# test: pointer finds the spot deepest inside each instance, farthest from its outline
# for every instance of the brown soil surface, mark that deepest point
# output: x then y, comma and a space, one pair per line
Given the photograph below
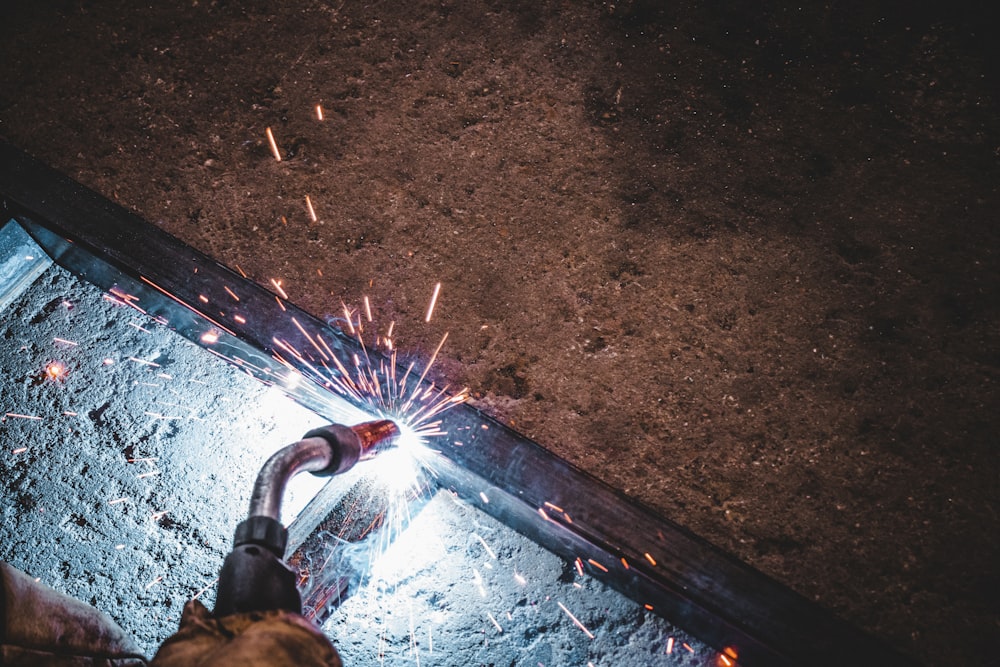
737, 260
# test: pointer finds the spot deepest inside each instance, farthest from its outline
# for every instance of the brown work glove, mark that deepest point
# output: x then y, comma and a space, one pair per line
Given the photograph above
255, 639
40, 627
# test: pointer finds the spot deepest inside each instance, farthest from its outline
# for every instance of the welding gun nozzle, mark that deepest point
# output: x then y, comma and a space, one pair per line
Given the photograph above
376, 436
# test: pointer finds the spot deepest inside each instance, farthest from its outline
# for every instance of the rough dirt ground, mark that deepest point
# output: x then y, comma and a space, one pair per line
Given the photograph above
735, 259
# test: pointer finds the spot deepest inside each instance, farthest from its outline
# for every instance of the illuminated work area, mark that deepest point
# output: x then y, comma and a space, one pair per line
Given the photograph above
138, 451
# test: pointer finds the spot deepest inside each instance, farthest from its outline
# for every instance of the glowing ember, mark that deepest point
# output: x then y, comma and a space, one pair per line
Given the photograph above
434, 298
575, 620
55, 370
277, 286
312, 211
274, 145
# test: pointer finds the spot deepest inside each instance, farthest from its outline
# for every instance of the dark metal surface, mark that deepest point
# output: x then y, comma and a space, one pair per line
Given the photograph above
680, 576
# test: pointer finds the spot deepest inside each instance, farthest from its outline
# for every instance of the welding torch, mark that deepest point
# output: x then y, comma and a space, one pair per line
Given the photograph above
254, 576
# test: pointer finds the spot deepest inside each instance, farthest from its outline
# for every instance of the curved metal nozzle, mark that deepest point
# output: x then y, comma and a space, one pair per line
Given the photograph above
253, 579
329, 450
376, 436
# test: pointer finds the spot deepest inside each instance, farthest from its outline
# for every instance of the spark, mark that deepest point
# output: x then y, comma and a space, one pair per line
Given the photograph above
64, 341
308, 337
670, 646
434, 298
688, 647
312, 211
148, 474
519, 578
427, 368
20, 450
274, 145
240, 319
186, 305
652, 561
154, 582
486, 546
69, 413
485, 498
478, 580
579, 566
139, 327
156, 516
203, 590
319, 112
597, 565
143, 361
231, 293
494, 621
575, 620
203, 298
55, 370
125, 297
325, 346
20, 416
349, 318
368, 309
277, 286
210, 337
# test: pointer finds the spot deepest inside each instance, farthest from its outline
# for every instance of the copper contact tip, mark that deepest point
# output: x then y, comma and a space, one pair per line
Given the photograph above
375, 436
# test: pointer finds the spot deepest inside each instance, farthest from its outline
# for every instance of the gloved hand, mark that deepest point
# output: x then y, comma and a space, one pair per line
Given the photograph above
254, 639
39, 626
